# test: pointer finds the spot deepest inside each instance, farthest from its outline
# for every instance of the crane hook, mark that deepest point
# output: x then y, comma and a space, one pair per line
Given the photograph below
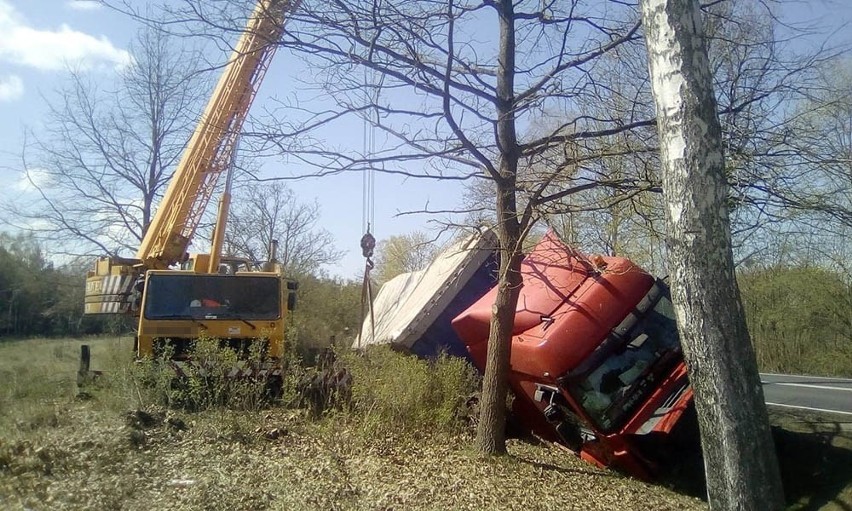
368, 244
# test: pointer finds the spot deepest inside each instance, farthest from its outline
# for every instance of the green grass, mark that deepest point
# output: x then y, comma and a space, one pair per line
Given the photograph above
401, 442
123, 448
38, 377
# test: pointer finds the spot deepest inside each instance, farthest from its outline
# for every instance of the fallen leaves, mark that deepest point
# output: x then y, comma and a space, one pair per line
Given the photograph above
281, 460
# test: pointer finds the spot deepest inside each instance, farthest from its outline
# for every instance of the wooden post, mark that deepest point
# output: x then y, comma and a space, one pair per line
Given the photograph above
83, 371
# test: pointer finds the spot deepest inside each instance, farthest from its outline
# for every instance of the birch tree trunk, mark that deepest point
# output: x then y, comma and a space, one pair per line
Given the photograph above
739, 456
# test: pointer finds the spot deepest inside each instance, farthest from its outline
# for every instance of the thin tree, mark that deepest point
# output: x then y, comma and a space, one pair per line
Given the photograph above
105, 154
741, 467
271, 211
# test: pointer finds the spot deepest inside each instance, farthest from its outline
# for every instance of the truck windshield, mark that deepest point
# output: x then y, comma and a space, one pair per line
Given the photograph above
185, 296
611, 390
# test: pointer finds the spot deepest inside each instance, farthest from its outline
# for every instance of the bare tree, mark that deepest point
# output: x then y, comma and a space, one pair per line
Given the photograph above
824, 141
265, 212
763, 80
105, 154
447, 106
817, 227
741, 467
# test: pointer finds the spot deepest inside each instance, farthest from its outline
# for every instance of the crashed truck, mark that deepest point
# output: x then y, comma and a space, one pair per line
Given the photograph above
596, 364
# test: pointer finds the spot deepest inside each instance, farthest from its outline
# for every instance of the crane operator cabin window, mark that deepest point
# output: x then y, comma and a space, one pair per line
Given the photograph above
172, 296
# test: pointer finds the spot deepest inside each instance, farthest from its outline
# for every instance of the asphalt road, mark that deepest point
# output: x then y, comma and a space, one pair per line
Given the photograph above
808, 393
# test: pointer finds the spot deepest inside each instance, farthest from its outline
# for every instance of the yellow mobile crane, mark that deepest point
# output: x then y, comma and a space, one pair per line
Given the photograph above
227, 300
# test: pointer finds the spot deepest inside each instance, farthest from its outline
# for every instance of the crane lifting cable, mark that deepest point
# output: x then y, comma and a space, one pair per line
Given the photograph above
368, 204
368, 243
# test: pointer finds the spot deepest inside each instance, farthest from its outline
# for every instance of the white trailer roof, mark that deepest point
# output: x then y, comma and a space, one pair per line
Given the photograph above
407, 305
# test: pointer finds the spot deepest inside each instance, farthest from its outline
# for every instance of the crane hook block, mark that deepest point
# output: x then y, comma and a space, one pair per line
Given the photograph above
368, 243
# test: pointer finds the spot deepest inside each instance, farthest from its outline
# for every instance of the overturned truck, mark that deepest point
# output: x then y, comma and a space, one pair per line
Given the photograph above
596, 363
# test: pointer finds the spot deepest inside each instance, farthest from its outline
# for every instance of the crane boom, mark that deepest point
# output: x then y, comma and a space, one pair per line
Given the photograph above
212, 145
113, 286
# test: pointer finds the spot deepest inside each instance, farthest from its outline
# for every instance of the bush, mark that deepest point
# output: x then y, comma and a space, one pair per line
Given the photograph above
799, 320
328, 312
214, 376
394, 392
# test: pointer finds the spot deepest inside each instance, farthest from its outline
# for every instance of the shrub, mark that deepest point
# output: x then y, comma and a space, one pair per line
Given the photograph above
214, 376
396, 392
799, 319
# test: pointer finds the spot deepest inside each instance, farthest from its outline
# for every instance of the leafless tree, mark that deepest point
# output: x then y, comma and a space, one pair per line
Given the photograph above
764, 79
816, 228
449, 104
741, 467
759, 75
271, 211
105, 153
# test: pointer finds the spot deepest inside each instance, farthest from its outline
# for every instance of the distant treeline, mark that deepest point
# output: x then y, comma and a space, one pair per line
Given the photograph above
38, 298
800, 317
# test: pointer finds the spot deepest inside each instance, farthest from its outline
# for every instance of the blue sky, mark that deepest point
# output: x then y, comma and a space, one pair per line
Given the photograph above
40, 38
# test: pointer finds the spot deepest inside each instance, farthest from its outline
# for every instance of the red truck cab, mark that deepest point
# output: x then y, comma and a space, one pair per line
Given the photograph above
596, 363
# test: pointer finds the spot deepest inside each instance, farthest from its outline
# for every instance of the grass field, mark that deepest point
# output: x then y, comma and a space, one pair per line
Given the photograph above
116, 448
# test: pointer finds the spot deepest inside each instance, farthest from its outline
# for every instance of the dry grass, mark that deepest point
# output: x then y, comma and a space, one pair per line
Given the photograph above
278, 461
120, 448
61, 452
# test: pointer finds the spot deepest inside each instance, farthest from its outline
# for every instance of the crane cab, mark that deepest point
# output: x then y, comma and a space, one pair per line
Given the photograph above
179, 306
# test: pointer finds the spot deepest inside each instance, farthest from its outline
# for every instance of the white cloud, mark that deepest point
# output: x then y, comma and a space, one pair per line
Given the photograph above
84, 5
49, 50
33, 178
11, 88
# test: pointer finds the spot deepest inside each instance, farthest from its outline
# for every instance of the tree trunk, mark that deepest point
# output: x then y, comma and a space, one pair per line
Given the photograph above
491, 434
742, 470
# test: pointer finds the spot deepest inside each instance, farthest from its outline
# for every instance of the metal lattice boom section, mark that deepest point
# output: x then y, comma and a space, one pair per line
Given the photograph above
212, 144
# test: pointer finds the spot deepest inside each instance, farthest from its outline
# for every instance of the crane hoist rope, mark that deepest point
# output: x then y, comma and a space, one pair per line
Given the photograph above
368, 198
368, 206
